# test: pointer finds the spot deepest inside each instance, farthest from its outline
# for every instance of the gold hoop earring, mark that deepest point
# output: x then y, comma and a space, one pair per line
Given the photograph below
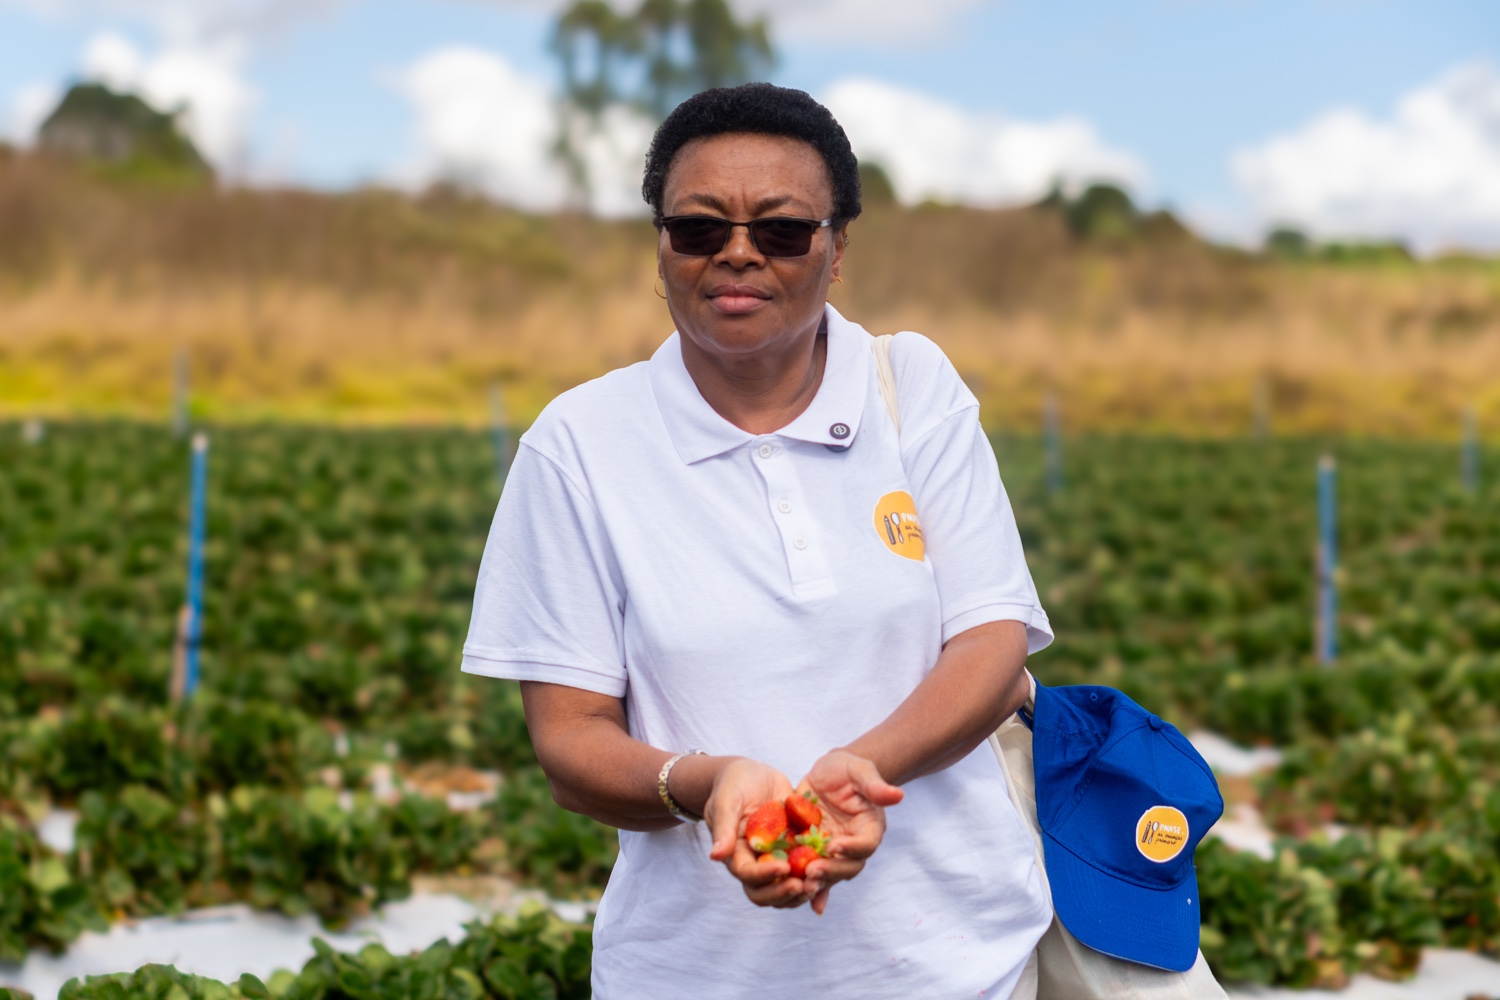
660, 294
838, 279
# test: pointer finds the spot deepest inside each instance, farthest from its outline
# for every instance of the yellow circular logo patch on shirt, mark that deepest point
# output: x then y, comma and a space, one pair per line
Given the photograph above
897, 525
1161, 833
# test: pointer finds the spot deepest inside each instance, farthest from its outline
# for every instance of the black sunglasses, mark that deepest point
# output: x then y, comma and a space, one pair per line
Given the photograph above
706, 235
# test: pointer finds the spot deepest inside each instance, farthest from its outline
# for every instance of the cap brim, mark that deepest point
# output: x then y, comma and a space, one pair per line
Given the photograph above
1153, 927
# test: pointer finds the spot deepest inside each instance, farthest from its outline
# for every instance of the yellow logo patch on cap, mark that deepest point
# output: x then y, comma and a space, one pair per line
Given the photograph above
897, 525
1161, 833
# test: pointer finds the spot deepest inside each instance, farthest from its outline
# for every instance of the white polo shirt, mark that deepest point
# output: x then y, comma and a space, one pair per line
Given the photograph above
775, 596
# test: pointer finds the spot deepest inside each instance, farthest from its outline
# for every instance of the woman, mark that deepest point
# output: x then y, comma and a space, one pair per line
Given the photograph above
730, 548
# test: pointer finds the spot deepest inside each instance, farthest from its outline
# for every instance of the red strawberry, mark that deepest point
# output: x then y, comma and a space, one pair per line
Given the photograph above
766, 828
815, 839
800, 857
802, 812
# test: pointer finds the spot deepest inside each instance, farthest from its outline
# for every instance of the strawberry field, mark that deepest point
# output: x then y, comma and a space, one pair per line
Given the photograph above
315, 770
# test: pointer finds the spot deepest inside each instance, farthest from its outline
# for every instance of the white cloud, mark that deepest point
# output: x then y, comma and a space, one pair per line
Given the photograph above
203, 78
30, 106
481, 122
209, 84
615, 157
799, 21
1429, 173
795, 22
182, 22
932, 149
199, 65
113, 59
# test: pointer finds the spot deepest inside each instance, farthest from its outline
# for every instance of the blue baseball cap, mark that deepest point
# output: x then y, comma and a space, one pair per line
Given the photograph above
1122, 799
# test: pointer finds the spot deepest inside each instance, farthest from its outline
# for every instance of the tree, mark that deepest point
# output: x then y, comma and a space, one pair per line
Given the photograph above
123, 133
875, 187
1103, 211
648, 61
1288, 244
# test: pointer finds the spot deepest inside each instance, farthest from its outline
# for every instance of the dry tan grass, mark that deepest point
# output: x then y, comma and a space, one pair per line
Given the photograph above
372, 307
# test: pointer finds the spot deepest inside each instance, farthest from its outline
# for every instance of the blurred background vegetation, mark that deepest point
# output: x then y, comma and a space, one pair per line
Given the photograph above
120, 253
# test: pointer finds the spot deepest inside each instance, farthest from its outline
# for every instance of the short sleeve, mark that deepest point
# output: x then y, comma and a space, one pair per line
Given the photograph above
967, 523
549, 602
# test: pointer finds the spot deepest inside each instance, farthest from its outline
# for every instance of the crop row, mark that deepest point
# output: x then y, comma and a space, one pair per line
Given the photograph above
139, 852
1323, 909
533, 957
1399, 773
1202, 552
340, 565
1313, 915
212, 743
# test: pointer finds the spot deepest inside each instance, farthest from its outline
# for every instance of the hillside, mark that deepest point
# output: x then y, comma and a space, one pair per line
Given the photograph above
375, 306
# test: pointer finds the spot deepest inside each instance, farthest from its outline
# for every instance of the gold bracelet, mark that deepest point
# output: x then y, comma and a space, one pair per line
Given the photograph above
666, 796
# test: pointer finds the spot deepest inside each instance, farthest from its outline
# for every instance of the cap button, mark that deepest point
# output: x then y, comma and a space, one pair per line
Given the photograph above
1156, 722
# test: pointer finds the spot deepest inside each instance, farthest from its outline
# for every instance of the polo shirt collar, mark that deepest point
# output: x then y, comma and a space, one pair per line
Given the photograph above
832, 419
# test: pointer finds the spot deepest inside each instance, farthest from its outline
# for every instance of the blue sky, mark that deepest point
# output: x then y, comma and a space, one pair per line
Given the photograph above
1224, 109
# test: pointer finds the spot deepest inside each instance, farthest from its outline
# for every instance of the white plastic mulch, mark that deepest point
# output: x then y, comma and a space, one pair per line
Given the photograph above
1232, 760
1443, 975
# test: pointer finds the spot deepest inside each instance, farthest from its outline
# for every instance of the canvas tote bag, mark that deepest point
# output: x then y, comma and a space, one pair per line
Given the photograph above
1061, 967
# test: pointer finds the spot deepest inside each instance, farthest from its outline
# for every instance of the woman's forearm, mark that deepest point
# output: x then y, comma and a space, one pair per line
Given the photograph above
595, 767
977, 683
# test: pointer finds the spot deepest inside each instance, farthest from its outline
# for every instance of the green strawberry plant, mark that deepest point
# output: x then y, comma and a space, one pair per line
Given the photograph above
41, 904
1269, 921
564, 852
142, 852
531, 957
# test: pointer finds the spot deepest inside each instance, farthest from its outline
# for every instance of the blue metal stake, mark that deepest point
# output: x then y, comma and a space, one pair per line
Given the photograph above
196, 532
1327, 630
1052, 429
1469, 455
501, 432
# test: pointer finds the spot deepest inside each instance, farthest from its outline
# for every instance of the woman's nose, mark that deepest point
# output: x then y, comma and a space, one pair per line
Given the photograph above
740, 250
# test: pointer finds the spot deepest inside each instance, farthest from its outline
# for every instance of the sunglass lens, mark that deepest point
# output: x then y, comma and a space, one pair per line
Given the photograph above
783, 237
697, 237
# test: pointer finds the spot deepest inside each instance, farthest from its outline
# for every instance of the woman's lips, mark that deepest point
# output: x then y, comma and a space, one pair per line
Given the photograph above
737, 299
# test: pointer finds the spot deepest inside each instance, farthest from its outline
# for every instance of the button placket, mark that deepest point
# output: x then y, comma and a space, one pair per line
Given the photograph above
806, 565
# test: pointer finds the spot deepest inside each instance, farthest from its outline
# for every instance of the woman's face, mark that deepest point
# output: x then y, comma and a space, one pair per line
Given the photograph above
738, 301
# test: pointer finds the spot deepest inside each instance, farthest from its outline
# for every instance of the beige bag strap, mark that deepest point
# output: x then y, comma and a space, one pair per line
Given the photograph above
886, 376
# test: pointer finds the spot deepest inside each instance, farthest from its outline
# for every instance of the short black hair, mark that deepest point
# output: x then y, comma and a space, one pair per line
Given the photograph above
762, 108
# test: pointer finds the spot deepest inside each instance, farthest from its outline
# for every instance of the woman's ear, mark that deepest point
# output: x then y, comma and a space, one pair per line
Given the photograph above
840, 242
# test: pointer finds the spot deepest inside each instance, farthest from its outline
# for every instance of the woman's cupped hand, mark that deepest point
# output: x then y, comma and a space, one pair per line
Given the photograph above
742, 785
853, 797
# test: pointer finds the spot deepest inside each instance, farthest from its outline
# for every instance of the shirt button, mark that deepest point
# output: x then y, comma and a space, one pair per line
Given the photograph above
765, 451
800, 543
785, 506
